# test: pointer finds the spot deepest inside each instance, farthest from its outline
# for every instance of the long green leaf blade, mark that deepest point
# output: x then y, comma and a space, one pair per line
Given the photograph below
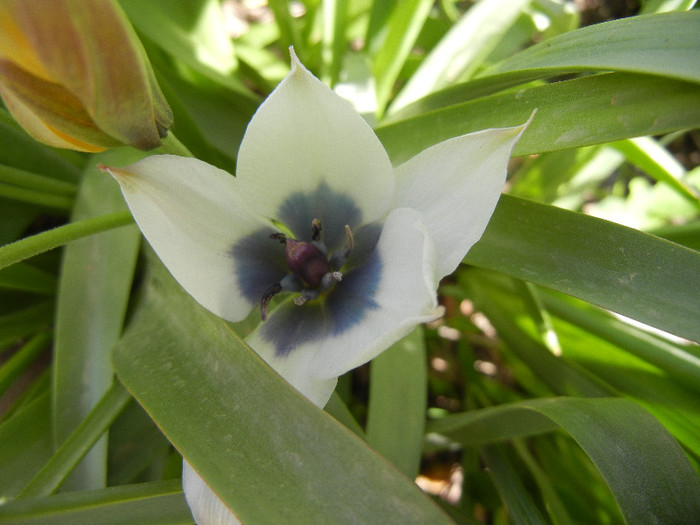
208, 392
94, 290
632, 273
665, 44
398, 398
73, 449
403, 27
462, 49
521, 507
25, 445
617, 106
158, 503
646, 470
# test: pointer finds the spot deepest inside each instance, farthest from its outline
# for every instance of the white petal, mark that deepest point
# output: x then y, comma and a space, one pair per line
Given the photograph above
402, 297
455, 185
206, 507
305, 136
191, 215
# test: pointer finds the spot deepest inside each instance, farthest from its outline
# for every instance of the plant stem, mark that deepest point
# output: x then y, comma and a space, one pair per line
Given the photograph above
172, 146
28, 247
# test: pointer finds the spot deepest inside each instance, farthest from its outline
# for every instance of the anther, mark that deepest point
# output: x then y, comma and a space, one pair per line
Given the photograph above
306, 295
316, 230
330, 279
338, 259
267, 296
281, 237
311, 270
351, 240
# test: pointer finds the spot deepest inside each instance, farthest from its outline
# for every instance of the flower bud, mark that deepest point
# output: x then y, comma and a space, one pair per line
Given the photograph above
74, 74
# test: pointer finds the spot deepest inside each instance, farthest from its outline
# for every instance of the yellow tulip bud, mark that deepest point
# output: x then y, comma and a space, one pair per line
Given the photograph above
74, 74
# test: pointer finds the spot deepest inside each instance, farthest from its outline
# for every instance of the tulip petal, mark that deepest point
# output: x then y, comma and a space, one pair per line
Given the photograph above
455, 185
89, 48
381, 301
39, 130
305, 137
14, 42
191, 214
50, 113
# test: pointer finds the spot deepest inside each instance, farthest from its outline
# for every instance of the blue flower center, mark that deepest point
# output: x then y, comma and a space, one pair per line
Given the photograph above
262, 265
312, 270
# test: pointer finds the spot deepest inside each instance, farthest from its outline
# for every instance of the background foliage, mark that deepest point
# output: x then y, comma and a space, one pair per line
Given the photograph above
540, 398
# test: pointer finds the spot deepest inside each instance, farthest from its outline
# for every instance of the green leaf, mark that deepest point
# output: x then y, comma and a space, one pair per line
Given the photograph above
491, 425
38, 198
659, 6
546, 484
462, 49
24, 321
631, 370
19, 150
74, 448
632, 273
137, 449
681, 364
94, 289
645, 468
404, 25
397, 404
570, 114
562, 377
288, 28
34, 188
36, 181
670, 53
663, 44
22, 359
158, 503
193, 31
208, 392
339, 410
686, 234
379, 15
650, 156
25, 445
191, 107
521, 507
28, 278
15, 218
622, 359
333, 42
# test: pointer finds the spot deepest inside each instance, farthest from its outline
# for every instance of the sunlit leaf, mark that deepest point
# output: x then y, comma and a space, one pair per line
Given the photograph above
645, 461
654, 281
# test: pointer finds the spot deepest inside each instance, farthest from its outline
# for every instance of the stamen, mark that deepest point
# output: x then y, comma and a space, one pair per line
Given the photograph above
267, 296
351, 239
281, 237
330, 279
306, 295
311, 271
338, 259
316, 230
350, 245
